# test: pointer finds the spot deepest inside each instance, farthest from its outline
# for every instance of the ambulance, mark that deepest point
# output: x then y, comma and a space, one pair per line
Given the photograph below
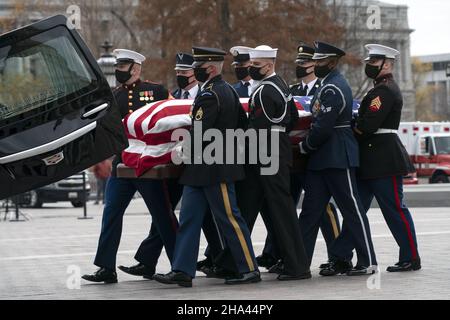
428, 144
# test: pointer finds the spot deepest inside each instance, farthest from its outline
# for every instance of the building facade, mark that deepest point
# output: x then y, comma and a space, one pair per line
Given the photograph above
370, 21
438, 79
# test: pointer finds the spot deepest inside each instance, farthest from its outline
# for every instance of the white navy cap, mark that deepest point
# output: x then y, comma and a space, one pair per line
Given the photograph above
263, 52
381, 52
124, 56
240, 54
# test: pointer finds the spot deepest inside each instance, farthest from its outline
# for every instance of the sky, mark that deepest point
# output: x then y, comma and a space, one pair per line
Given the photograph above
431, 21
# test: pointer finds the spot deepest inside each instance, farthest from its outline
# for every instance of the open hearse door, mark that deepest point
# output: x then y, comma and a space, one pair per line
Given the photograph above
58, 115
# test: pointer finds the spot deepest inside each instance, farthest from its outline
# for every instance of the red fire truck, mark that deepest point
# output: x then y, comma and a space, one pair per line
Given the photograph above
428, 144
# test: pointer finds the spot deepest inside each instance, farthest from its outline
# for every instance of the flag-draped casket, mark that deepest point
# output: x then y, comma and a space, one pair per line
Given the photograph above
149, 130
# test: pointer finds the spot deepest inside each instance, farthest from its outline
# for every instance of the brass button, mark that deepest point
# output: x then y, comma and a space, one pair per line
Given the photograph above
370, 145
130, 97
130, 104
130, 92
130, 111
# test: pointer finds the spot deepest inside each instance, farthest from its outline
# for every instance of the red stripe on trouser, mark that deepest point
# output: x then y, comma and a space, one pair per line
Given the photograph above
405, 221
169, 206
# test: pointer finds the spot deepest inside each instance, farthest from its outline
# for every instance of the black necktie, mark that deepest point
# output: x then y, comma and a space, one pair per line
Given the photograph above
304, 90
186, 95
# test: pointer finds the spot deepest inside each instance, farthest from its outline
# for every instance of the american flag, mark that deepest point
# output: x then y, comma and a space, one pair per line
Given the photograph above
149, 131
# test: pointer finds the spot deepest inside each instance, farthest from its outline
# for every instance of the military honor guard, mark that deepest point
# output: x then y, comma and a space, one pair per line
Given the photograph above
188, 86
272, 109
211, 186
160, 196
331, 170
329, 225
384, 160
304, 72
241, 63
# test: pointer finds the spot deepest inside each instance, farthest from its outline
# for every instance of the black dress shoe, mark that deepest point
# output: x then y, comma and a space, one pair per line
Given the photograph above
266, 260
325, 265
405, 266
289, 277
221, 273
336, 267
249, 277
362, 271
180, 278
204, 263
102, 275
139, 270
277, 268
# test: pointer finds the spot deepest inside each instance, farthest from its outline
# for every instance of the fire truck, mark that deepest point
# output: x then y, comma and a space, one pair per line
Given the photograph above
428, 144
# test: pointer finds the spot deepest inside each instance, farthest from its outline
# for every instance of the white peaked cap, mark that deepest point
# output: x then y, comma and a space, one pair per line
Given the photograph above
380, 51
240, 50
124, 55
263, 52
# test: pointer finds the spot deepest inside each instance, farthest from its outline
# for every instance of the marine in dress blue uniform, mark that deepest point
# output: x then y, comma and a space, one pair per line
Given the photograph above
212, 185
160, 196
384, 160
331, 170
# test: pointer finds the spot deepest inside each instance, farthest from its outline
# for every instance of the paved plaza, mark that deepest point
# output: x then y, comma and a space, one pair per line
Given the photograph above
43, 258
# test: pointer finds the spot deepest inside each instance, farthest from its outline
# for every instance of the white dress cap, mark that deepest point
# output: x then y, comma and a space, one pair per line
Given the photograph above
124, 55
380, 51
263, 52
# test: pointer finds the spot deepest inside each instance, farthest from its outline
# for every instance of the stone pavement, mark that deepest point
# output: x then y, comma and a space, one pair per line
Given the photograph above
44, 257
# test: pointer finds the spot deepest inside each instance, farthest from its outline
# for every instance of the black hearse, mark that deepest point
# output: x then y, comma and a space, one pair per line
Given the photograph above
58, 115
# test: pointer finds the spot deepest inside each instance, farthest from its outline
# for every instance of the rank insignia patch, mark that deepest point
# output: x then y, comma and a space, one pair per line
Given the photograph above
375, 105
199, 114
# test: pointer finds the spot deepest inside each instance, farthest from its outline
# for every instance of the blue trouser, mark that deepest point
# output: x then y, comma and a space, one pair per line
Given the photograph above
389, 194
221, 199
329, 224
160, 196
150, 249
341, 185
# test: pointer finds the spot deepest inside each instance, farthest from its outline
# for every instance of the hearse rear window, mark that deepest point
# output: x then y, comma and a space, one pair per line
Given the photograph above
40, 70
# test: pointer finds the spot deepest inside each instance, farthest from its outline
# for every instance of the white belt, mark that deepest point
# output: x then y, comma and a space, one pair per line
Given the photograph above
384, 131
278, 128
343, 126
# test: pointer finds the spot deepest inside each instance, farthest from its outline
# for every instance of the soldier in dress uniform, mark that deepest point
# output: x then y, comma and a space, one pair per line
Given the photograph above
160, 196
329, 226
304, 72
188, 86
241, 62
211, 185
272, 109
331, 170
384, 160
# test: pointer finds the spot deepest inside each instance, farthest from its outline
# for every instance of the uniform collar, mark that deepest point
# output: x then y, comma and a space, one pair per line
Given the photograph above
133, 85
249, 81
384, 78
216, 78
192, 92
310, 84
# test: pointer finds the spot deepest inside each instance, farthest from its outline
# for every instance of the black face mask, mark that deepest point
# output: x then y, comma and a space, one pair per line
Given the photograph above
183, 81
255, 73
241, 73
322, 71
123, 76
201, 75
373, 71
301, 72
